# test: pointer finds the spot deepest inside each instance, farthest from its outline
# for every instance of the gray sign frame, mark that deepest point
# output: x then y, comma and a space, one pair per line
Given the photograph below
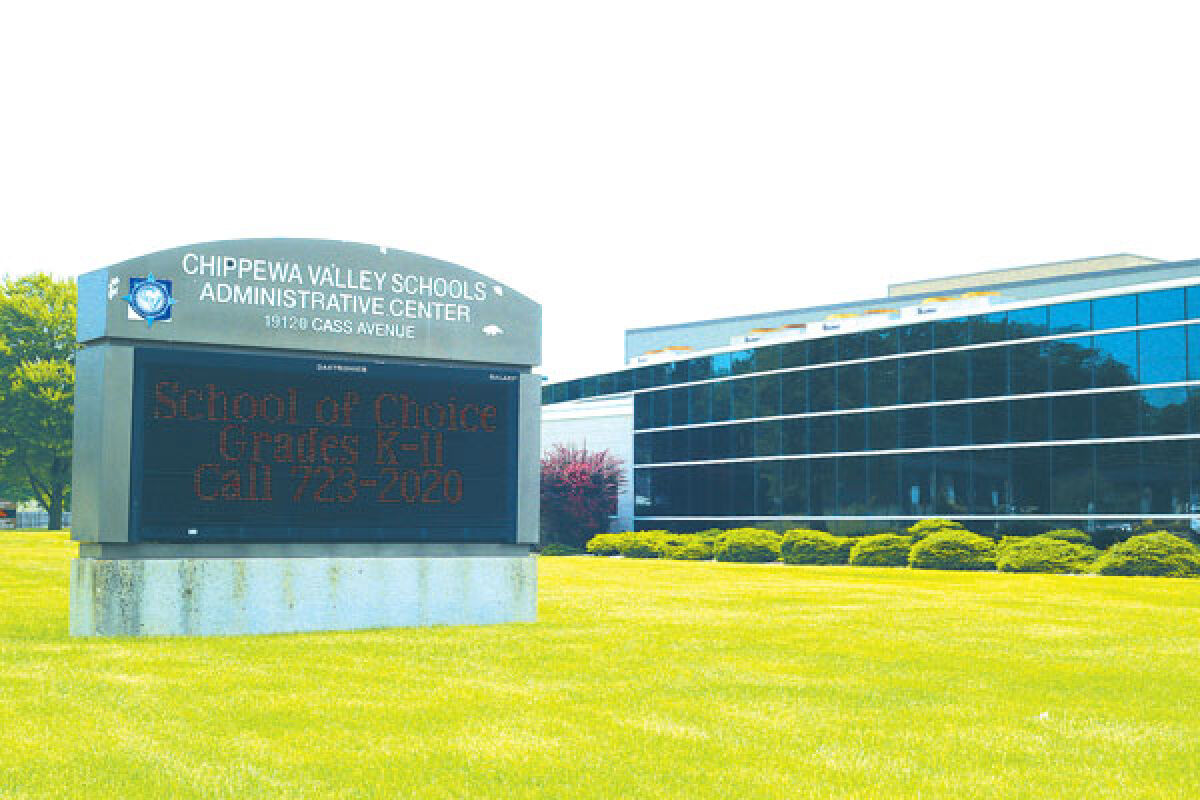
279, 296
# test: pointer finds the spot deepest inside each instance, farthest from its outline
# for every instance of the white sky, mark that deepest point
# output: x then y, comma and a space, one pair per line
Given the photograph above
623, 163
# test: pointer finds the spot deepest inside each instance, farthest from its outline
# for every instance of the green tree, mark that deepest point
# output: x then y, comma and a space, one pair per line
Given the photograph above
37, 386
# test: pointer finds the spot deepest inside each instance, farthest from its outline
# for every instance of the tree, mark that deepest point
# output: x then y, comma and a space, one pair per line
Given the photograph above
37, 386
579, 493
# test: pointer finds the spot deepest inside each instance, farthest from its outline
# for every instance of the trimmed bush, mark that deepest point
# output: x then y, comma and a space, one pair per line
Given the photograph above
556, 549
643, 544
927, 527
1045, 554
881, 550
748, 545
695, 549
953, 549
1069, 535
802, 546
1162, 554
607, 544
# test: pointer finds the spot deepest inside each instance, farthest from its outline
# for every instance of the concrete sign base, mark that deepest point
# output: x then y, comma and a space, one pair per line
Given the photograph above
212, 596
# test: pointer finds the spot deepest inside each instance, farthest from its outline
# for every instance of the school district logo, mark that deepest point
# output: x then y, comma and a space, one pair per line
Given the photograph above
150, 299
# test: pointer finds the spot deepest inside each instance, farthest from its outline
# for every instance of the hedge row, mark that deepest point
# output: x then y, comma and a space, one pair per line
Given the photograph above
929, 544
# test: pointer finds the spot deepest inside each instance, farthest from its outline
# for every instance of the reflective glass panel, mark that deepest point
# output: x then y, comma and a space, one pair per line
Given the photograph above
950, 332
700, 402
822, 434
916, 427
795, 436
722, 392
1031, 480
1071, 417
882, 383
722, 365
1165, 305
884, 342
1162, 354
1071, 364
822, 351
742, 362
953, 483
916, 379
991, 482
852, 432
883, 481
916, 338
852, 485
951, 373
989, 422
1164, 412
883, 430
1073, 477
1027, 322
768, 485
1118, 468
1029, 420
742, 401
1114, 312
795, 354
767, 437
795, 392
989, 371
988, 328
794, 478
1117, 414
1029, 368
851, 346
822, 486
1071, 317
822, 389
852, 386
952, 425
766, 390
1165, 478
1115, 359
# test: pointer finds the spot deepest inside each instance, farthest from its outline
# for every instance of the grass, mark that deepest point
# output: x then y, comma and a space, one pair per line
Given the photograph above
642, 679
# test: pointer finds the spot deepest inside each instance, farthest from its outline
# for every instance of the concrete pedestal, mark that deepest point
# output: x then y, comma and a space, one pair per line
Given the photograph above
205, 596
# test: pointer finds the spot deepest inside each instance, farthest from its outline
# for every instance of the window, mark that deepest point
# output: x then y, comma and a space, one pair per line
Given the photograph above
742, 362
988, 328
883, 430
916, 428
952, 425
916, 338
989, 372
742, 399
1027, 322
766, 391
881, 383
1029, 371
822, 389
1073, 479
852, 386
1162, 354
1071, 364
989, 422
1164, 412
1115, 359
1071, 417
1165, 305
794, 392
1070, 317
949, 332
951, 372
700, 402
852, 432
722, 396
822, 434
916, 379
1114, 312
794, 354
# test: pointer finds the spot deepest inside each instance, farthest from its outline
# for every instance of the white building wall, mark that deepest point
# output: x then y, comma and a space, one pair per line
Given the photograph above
604, 423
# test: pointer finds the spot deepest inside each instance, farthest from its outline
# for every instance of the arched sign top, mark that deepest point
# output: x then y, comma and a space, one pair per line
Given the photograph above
313, 295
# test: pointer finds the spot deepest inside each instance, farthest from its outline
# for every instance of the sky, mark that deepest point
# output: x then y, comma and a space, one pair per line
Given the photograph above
625, 164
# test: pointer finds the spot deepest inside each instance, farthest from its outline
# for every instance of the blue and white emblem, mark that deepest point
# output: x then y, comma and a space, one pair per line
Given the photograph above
150, 299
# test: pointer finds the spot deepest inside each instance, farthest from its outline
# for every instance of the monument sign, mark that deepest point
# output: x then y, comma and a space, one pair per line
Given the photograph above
280, 435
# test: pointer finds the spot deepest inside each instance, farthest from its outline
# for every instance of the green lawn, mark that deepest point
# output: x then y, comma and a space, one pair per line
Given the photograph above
642, 679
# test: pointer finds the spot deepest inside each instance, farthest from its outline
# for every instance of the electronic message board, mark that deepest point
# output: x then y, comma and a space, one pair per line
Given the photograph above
245, 448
